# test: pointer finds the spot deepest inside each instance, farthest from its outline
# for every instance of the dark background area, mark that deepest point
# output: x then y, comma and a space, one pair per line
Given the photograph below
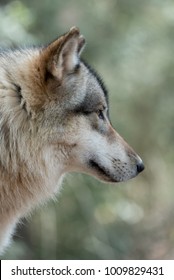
131, 44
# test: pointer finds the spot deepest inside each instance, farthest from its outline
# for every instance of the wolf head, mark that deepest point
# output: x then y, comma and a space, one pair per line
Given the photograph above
65, 105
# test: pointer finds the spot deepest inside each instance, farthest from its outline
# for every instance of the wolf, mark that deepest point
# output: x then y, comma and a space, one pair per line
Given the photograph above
54, 119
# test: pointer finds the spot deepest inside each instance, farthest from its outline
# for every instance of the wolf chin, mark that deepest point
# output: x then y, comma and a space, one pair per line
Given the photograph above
54, 119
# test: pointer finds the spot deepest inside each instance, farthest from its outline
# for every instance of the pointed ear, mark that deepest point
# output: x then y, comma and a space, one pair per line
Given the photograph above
63, 55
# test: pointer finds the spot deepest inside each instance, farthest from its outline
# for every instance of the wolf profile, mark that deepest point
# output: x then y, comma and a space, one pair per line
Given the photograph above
54, 119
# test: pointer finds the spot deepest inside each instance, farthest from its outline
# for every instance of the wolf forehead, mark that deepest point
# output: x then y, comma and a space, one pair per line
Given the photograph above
96, 93
98, 78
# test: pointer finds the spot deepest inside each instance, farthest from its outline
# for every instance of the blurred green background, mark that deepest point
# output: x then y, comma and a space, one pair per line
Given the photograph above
131, 44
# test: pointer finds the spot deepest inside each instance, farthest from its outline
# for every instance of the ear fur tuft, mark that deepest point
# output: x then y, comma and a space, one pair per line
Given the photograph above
74, 30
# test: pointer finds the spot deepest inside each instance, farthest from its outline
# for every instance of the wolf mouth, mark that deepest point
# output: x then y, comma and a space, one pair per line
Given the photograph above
102, 171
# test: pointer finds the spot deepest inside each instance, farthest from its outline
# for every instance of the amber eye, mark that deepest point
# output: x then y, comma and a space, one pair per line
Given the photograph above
100, 114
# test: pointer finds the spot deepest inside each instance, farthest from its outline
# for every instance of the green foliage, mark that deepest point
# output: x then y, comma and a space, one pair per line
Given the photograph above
131, 43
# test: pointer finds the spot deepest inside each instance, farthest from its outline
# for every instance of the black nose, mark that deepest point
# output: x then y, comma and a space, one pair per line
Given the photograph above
140, 167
